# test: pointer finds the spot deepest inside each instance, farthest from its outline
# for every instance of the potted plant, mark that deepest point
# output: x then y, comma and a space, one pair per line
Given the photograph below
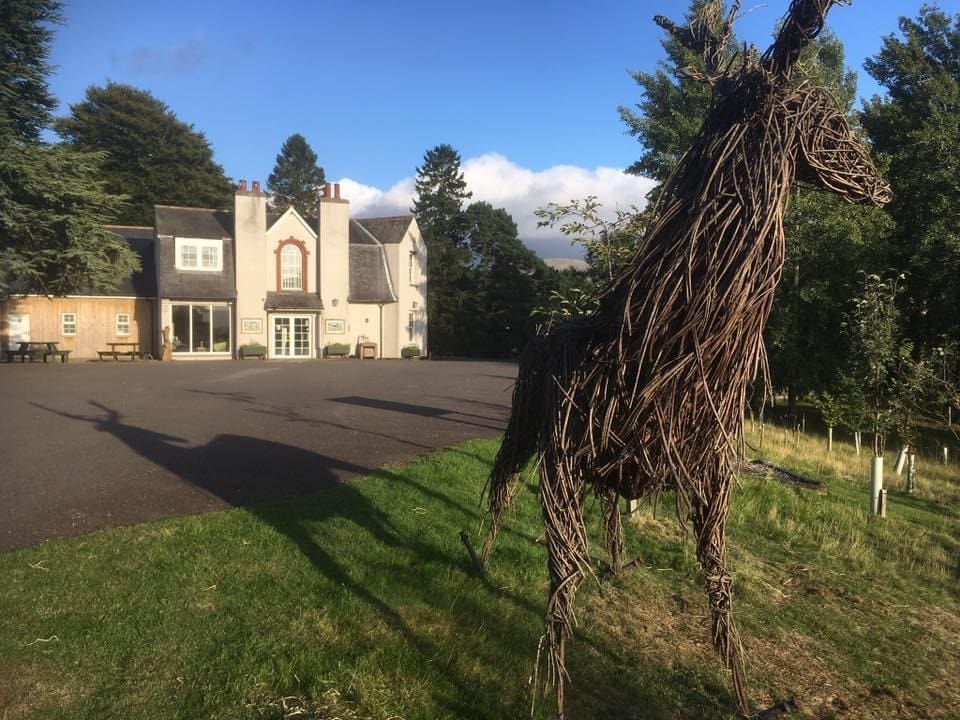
253, 349
337, 350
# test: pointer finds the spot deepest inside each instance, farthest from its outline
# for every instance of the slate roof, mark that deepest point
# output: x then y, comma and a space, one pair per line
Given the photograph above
203, 223
388, 230
193, 222
143, 283
292, 301
369, 282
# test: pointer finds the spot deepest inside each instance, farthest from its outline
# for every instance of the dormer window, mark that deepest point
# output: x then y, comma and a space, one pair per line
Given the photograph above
292, 265
195, 254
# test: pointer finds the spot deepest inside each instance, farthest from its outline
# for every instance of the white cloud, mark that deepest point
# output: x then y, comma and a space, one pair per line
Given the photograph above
503, 183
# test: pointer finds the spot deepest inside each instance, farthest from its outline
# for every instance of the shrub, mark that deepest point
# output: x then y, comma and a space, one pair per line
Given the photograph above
253, 349
337, 349
410, 351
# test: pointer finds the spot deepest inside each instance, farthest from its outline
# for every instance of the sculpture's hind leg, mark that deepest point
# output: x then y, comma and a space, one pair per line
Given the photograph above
562, 494
709, 524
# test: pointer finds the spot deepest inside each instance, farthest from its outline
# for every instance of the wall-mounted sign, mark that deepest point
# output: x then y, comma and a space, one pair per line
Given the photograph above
252, 326
334, 327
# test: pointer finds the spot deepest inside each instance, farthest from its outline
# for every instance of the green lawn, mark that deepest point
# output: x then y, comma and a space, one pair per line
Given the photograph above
361, 602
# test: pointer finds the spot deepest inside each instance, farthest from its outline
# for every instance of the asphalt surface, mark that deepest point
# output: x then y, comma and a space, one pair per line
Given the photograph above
91, 445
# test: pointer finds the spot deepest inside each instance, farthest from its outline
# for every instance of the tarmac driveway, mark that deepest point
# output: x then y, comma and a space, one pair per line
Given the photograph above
91, 445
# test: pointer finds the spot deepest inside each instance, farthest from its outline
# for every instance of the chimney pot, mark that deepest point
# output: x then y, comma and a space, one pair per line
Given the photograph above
256, 186
242, 186
336, 191
323, 190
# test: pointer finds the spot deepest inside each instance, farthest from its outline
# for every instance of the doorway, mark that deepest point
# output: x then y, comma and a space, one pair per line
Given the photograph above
291, 336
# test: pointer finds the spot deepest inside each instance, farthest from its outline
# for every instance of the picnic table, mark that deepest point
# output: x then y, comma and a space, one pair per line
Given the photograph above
126, 349
37, 349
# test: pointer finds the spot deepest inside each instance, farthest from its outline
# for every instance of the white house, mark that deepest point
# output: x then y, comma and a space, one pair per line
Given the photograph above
221, 279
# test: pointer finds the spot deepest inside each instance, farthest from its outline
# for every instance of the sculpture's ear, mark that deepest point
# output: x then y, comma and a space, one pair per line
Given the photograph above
803, 22
707, 35
832, 155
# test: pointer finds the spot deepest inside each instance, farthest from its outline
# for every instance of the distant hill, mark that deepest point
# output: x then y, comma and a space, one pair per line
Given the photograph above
566, 263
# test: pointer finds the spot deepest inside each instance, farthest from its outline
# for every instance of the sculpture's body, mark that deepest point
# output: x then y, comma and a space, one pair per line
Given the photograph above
647, 394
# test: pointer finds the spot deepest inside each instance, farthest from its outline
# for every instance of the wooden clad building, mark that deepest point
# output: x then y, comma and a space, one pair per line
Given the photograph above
84, 323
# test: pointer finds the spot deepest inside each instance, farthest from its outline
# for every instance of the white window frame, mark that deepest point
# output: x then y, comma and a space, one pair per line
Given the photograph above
292, 318
64, 324
198, 245
411, 274
121, 332
209, 353
291, 273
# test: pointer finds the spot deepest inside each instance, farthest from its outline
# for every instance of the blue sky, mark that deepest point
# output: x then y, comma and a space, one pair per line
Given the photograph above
526, 91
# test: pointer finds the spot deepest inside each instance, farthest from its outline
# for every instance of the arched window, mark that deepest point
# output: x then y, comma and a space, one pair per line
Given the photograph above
291, 267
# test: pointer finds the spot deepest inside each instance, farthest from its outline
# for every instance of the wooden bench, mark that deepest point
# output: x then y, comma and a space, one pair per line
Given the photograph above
64, 355
22, 354
117, 354
34, 350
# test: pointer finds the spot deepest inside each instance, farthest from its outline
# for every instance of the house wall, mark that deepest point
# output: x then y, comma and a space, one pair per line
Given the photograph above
96, 322
364, 322
333, 259
254, 275
290, 226
411, 296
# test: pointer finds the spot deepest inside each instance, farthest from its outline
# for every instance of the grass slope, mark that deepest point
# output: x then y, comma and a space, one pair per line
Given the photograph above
361, 602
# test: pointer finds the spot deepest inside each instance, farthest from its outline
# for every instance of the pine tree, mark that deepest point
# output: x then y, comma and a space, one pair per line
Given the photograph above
52, 202
508, 279
916, 130
441, 192
296, 178
25, 36
151, 156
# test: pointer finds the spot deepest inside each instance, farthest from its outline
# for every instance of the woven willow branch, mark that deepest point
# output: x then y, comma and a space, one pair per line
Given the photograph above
647, 394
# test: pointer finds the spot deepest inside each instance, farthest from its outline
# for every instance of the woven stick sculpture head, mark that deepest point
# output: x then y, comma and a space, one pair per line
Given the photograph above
647, 394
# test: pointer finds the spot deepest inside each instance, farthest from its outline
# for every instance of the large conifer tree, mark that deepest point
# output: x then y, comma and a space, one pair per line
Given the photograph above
916, 128
508, 278
52, 202
440, 193
151, 156
296, 178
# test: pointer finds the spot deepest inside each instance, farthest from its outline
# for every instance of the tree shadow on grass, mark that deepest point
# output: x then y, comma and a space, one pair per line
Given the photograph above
485, 680
246, 471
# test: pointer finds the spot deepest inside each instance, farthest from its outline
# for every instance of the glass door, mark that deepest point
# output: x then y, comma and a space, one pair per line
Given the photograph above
281, 337
301, 337
292, 336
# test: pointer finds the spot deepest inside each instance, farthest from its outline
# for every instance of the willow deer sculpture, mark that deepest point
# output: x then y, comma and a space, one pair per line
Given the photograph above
647, 393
